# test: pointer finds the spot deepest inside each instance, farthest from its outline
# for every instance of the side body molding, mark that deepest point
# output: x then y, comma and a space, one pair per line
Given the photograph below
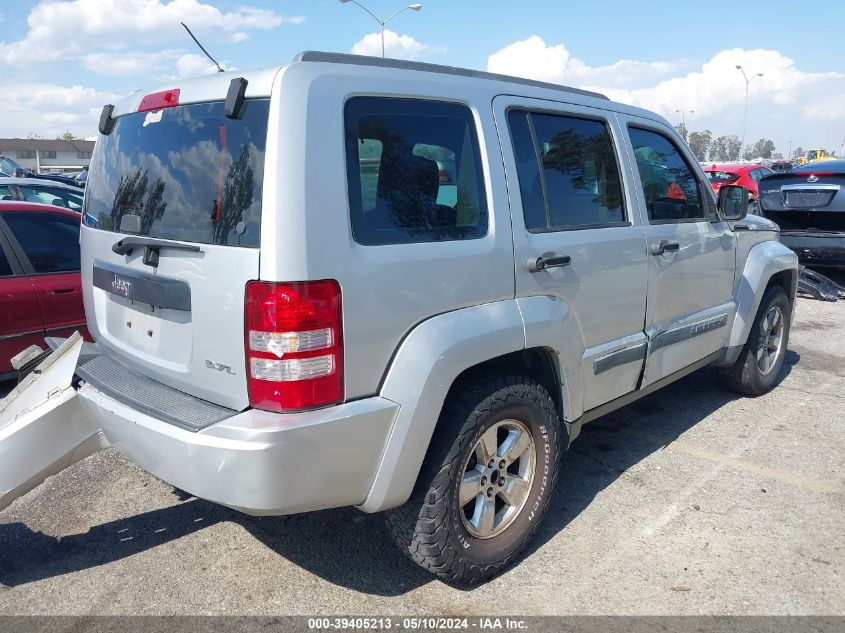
423, 370
764, 260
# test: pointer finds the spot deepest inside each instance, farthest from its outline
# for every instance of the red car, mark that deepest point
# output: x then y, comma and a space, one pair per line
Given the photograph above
744, 174
40, 286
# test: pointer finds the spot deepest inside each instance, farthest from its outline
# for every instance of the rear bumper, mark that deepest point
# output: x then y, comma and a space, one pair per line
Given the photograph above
816, 249
257, 462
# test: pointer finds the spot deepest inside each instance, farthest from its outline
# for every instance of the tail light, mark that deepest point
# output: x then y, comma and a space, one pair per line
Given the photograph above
294, 345
159, 100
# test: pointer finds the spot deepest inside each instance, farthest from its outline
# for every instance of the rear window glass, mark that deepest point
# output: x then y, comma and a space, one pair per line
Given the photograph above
827, 166
414, 172
721, 177
189, 172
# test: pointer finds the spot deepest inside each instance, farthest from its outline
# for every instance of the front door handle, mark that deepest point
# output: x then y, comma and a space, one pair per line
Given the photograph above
664, 246
549, 260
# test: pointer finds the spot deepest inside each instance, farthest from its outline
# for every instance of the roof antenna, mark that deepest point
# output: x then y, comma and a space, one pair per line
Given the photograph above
202, 48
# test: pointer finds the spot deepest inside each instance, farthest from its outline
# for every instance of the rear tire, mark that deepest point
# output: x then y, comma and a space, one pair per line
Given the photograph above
755, 371
486, 482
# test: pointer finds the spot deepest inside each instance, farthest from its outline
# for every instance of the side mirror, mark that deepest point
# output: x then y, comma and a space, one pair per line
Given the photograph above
733, 202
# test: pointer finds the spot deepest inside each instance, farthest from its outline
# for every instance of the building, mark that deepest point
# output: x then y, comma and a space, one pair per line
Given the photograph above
43, 155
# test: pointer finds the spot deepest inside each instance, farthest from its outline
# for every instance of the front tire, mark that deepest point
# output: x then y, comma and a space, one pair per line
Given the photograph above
486, 482
761, 358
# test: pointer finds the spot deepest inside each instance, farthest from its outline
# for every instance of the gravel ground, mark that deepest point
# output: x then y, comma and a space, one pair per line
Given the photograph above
691, 501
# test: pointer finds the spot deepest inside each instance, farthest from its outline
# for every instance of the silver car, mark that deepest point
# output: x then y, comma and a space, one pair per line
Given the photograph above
397, 286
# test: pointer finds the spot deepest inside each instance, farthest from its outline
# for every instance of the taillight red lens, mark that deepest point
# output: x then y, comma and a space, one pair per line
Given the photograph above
294, 344
158, 100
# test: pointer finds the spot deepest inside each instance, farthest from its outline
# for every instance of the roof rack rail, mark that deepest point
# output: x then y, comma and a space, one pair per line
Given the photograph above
381, 62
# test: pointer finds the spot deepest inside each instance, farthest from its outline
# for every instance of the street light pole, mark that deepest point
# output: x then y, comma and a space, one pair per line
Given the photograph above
383, 23
683, 118
745, 118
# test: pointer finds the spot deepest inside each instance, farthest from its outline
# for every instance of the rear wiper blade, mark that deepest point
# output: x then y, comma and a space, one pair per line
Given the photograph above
129, 243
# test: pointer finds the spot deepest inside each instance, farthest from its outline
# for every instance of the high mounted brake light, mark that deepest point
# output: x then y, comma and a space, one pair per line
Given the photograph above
294, 345
159, 100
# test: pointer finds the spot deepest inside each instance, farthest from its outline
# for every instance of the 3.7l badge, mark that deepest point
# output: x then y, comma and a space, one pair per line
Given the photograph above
210, 364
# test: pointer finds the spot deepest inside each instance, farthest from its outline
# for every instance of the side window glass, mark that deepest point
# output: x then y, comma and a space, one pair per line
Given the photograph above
579, 184
64, 198
5, 266
31, 194
6, 193
49, 241
671, 190
528, 170
413, 171
369, 160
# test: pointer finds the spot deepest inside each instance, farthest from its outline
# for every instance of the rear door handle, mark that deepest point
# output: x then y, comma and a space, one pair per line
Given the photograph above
550, 260
60, 290
664, 246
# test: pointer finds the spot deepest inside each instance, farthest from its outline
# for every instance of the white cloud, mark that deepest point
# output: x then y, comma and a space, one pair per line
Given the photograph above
129, 62
784, 103
193, 65
395, 45
69, 29
719, 86
830, 108
533, 59
49, 109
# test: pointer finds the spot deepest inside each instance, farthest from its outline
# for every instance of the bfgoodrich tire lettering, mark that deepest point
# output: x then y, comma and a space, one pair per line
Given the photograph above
434, 527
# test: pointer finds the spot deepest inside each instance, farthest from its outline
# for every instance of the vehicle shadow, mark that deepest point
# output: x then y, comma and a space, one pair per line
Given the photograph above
354, 550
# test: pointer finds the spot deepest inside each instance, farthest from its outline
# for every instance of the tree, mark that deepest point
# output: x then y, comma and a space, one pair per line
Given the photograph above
725, 148
699, 143
763, 148
136, 197
799, 151
67, 136
682, 130
236, 197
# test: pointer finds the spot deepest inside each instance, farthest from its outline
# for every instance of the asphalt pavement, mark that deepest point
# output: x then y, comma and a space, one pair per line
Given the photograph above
691, 501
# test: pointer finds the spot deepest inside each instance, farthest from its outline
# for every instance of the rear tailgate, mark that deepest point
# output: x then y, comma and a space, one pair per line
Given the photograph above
805, 201
171, 234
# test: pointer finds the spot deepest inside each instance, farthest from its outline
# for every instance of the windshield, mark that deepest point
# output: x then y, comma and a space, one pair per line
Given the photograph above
9, 167
813, 154
190, 174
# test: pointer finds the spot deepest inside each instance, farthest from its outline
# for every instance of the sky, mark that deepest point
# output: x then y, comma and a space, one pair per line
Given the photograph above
61, 60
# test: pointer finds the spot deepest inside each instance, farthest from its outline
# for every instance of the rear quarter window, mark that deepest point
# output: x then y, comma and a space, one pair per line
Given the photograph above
413, 171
